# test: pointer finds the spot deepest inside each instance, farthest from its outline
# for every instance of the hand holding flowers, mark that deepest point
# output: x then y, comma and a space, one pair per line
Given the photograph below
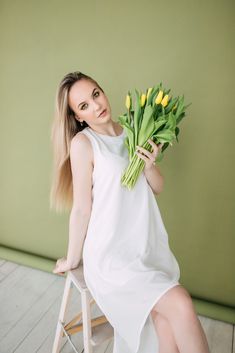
149, 157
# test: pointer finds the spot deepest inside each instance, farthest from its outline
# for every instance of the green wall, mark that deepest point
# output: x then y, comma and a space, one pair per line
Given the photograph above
189, 46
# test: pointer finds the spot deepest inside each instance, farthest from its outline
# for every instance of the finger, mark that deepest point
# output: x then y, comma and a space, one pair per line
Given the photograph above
146, 153
60, 273
146, 159
152, 143
55, 270
140, 155
155, 148
151, 155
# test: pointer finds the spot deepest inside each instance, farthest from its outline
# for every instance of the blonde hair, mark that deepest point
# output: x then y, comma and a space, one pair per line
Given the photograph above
64, 127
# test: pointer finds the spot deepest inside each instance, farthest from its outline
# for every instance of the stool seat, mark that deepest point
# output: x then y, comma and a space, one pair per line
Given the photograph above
95, 331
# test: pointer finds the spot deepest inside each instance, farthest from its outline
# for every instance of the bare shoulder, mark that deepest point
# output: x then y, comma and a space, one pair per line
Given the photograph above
80, 143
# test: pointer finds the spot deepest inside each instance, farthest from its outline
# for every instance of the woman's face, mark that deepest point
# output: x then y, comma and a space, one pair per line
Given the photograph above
87, 101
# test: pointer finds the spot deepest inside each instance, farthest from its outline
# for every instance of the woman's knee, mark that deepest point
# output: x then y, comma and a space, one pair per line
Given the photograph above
159, 320
184, 303
176, 301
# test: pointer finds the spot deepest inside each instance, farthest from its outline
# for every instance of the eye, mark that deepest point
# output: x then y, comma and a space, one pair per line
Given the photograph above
83, 106
94, 95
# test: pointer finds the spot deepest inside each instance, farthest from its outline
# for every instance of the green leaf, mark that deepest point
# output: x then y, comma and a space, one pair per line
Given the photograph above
137, 114
165, 136
171, 122
166, 144
186, 106
123, 118
158, 124
147, 126
177, 130
180, 117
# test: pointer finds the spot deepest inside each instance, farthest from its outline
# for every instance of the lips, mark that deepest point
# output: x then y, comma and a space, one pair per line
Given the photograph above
102, 113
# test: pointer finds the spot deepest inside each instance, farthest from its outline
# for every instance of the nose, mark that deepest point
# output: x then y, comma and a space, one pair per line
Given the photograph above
97, 106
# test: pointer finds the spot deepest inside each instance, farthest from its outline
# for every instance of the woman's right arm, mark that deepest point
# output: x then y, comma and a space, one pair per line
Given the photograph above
82, 167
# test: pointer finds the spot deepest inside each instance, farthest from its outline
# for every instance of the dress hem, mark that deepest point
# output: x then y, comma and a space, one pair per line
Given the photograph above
149, 313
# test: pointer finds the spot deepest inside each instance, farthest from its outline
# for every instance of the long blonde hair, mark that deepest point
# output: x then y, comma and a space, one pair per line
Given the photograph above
64, 127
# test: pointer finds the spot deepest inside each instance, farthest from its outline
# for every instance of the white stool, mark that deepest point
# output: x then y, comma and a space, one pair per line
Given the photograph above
95, 331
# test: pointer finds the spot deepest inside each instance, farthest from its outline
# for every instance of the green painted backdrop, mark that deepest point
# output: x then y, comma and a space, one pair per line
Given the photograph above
189, 46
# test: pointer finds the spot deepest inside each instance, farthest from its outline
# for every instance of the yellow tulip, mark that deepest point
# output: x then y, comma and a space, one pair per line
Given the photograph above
165, 100
148, 93
128, 101
142, 99
159, 97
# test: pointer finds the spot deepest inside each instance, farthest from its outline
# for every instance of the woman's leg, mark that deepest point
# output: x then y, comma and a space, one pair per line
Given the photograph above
177, 307
165, 335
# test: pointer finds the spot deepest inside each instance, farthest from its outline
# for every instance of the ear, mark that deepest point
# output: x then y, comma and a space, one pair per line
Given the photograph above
78, 119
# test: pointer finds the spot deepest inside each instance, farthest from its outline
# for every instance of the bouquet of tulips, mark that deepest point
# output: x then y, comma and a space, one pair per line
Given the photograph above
154, 116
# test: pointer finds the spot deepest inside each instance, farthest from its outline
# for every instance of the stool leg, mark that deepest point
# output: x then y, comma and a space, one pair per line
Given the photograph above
59, 329
86, 319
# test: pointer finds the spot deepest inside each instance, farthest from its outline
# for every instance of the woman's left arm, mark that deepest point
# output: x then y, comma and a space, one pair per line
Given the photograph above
155, 179
152, 171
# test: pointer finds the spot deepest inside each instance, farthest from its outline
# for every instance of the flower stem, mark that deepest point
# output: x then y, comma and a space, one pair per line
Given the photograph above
134, 169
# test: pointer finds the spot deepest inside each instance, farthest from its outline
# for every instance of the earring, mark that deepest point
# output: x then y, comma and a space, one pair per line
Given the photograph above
81, 123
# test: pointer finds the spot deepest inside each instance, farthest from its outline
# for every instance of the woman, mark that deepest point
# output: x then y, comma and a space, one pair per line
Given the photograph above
128, 265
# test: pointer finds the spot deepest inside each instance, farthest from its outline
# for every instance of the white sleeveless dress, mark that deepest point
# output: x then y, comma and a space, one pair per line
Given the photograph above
127, 262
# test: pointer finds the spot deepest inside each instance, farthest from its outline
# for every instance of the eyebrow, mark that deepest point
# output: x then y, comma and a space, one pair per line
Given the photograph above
91, 95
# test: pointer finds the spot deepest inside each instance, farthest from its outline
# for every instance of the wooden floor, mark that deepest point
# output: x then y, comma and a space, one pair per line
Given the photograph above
29, 307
